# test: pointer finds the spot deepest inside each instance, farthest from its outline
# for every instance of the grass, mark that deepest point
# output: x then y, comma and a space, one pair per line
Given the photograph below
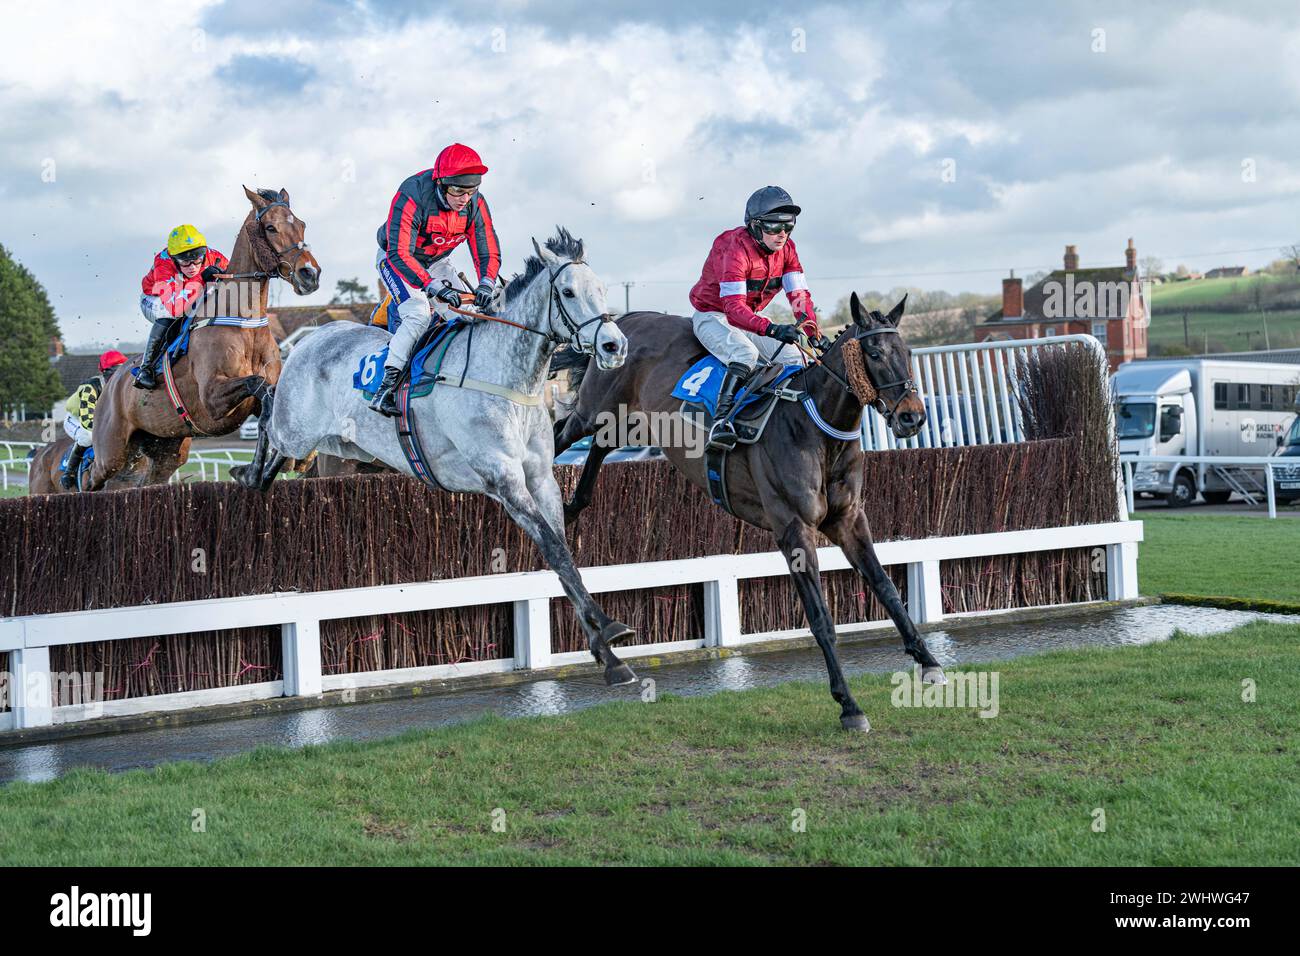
1220, 555
1157, 737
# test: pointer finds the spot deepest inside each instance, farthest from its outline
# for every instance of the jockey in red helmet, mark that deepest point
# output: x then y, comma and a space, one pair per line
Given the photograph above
746, 267
433, 212
81, 413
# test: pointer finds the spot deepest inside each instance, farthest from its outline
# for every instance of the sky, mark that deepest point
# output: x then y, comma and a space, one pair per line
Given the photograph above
936, 144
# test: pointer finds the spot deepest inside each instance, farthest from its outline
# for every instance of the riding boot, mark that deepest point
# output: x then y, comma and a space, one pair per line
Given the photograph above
723, 432
385, 400
69, 476
152, 349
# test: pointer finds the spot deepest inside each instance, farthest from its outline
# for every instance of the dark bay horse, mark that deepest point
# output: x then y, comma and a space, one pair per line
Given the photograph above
796, 480
229, 371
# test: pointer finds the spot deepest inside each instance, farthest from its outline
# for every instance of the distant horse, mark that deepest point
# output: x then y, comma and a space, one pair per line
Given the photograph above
152, 461
229, 371
484, 428
799, 477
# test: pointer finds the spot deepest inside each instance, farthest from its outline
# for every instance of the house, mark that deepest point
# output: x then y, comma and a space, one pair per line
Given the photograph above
1105, 302
74, 368
285, 321
1226, 272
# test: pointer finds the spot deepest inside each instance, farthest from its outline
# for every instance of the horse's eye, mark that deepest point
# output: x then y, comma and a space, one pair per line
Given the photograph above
874, 353
568, 293
270, 228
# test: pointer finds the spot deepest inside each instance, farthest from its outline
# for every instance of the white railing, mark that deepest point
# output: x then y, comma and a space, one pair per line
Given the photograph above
216, 458
970, 393
1267, 465
13, 454
298, 614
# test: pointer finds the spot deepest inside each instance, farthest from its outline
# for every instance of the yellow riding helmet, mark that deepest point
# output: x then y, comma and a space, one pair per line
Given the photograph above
184, 238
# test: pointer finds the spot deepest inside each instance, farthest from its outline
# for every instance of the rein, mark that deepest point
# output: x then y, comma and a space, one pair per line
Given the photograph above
282, 269
906, 386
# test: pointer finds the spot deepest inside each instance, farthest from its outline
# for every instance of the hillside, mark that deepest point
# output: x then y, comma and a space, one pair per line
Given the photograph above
1225, 315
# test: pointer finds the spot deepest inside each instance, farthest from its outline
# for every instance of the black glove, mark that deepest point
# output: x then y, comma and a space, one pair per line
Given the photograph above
449, 295
821, 343
483, 295
784, 333
210, 273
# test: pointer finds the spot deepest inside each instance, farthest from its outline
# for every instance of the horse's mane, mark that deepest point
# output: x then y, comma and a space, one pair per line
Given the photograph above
563, 244
263, 254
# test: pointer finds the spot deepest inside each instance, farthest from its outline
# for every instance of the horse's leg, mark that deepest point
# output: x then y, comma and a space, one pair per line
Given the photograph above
799, 545
582, 495
112, 449
853, 535
274, 463
255, 475
164, 458
546, 530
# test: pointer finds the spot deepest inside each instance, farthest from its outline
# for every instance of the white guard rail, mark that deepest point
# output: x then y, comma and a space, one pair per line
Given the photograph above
1267, 465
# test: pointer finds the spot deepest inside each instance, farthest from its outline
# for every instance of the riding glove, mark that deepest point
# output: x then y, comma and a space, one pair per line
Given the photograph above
449, 295
784, 333
210, 273
483, 295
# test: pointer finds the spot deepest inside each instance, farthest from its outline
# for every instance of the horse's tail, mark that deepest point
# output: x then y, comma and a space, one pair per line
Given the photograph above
572, 361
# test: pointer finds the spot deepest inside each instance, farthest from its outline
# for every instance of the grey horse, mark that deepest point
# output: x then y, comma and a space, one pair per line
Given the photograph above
485, 430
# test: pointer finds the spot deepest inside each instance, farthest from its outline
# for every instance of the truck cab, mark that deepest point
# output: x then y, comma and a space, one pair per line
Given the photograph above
1156, 414
1287, 476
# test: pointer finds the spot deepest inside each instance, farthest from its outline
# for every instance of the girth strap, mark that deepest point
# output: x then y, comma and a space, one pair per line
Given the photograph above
715, 470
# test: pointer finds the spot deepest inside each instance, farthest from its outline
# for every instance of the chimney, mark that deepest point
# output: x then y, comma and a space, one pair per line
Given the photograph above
1013, 297
1071, 259
1131, 258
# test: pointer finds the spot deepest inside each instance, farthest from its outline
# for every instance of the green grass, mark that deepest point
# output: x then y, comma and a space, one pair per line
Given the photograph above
1225, 331
1206, 293
1220, 555
1157, 737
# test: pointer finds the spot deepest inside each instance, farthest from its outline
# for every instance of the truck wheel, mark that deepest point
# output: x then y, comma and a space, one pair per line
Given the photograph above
1216, 497
1184, 492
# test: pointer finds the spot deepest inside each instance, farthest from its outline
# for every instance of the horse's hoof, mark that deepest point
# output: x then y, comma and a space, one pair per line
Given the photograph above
619, 674
615, 631
856, 722
933, 675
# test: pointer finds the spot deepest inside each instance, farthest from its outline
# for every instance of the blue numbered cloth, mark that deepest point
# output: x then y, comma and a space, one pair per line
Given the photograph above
703, 381
370, 372
87, 457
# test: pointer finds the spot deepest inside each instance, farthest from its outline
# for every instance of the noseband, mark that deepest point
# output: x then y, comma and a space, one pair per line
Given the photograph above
906, 386
575, 328
282, 268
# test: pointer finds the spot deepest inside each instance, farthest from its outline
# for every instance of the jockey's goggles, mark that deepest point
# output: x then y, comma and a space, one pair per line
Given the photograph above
191, 256
772, 228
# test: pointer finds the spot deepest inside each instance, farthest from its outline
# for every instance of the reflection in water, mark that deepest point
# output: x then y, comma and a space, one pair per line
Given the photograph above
965, 644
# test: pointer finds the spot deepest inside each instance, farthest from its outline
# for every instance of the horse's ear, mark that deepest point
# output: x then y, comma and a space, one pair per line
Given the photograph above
896, 313
855, 308
544, 254
582, 251
284, 196
257, 201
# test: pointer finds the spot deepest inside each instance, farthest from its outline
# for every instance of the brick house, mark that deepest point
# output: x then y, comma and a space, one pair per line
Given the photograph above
1105, 302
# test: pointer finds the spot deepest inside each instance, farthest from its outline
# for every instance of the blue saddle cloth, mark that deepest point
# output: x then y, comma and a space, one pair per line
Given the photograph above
86, 459
703, 380
369, 372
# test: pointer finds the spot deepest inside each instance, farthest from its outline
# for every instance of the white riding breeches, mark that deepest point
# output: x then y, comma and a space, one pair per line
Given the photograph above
153, 309
729, 344
77, 432
414, 307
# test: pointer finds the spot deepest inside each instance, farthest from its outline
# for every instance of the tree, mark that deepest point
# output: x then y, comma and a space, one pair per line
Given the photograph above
27, 326
351, 291
1151, 265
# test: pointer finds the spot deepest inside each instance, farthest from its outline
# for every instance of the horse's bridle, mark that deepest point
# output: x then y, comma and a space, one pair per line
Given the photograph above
906, 386
575, 328
282, 268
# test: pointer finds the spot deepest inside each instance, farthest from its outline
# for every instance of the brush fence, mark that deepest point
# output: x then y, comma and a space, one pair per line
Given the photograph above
369, 581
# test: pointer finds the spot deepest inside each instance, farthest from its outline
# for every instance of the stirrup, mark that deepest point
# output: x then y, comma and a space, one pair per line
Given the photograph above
722, 434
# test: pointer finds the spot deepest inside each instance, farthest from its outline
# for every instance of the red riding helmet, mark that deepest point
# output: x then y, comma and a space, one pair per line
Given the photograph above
111, 359
457, 160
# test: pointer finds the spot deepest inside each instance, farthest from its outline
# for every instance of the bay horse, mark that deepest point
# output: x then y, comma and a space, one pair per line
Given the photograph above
152, 461
229, 371
794, 481
484, 428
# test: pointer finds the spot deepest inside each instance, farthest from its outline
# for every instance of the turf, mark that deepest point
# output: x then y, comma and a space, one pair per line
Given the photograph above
1220, 555
1157, 738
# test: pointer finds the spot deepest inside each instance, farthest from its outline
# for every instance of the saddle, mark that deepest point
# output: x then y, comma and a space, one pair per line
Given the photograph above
178, 337
698, 389
421, 371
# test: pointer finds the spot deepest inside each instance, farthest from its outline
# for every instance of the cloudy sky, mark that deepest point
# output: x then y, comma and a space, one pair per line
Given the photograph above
937, 144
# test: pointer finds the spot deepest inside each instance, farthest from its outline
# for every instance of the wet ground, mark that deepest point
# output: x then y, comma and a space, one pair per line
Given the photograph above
966, 642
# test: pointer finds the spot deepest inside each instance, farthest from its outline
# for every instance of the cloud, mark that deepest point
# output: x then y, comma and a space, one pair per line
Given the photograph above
644, 128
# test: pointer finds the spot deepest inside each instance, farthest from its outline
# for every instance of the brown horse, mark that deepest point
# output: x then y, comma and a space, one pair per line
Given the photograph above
229, 372
797, 479
152, 461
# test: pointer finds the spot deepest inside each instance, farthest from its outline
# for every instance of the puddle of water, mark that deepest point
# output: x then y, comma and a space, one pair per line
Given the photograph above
969, 643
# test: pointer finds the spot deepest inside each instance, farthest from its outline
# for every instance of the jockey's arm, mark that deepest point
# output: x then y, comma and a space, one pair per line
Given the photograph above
796, 292
732, 285
401, 234
484, 247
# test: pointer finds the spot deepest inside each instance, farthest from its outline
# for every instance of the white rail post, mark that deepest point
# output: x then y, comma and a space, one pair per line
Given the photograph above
1128, 485
1121, 571
721, 612
1272, 498
924, 592
300, 642
532, 633
31, 687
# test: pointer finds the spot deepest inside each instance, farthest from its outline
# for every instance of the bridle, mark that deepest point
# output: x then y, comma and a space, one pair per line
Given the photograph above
283, 270
554, 300
906, 386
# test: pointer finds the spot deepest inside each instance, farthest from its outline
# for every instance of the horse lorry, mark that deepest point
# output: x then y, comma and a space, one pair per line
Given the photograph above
1206, 407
